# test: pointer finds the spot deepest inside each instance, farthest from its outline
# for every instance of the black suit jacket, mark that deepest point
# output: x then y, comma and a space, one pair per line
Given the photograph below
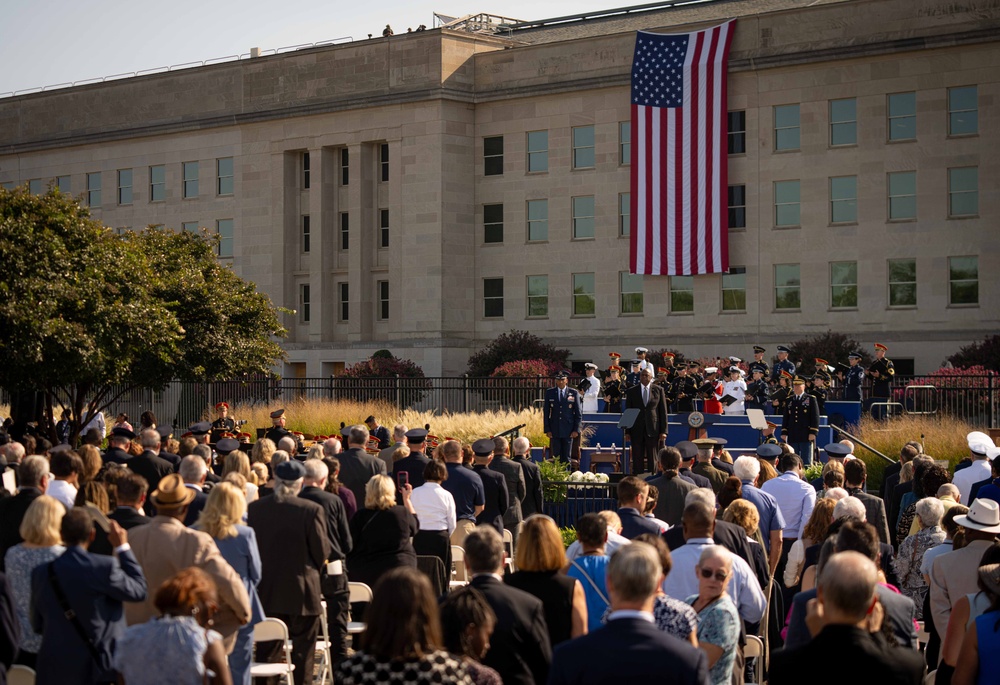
497, 497
892, 509
337, 529
652, 421
864, 655
356, 468
628, 650
974, 492
519, 647
698, 480
291, 536
722, 465
116, 455
891, 472
899, 612
12, 511
151, 467
128, 518
196, 507
174, 460
532, 502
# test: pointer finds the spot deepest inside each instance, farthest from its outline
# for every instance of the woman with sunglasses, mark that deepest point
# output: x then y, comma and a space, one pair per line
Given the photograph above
718, 619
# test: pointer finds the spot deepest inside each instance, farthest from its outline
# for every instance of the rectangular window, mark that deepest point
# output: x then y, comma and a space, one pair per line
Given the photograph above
681, 294
124, 186
383, 300
224, 227
63, 183
538, 296
157, 183
538, 151
583, 147
787, 286
305, 171
903, 195
345, 232
493, 298
305, 233
583, 217
94, 189
493, 156
843, 199
8, 185
737, 132
538, 220
190, 173
734, 289
844, 122
963, 111
903, 116
737, 206
963, 191
624, 142
35, 186
190, 226
345, 166
786, 203
902, 282
786, 127
304, 303
383, 165
624, 214
344, 300
963, 280
630, 287
844, 285
583, 295
383, 228
493, 223
224, 172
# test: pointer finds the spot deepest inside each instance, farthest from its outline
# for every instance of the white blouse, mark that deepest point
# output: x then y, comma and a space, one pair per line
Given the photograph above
435, 507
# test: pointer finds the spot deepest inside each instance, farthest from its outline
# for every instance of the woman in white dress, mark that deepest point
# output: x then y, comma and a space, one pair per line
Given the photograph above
736, 387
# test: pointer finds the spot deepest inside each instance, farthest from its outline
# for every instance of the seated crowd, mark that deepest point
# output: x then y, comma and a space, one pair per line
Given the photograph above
154, 561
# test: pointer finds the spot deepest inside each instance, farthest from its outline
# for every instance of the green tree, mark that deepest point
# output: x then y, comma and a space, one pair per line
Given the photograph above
985, 353
87, 316
386, 378
511, 347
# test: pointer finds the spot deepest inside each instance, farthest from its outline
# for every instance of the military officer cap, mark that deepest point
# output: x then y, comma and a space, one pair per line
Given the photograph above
226, 445
291, 470
345, 432
693, 365
688, 449
758, 349
641, 350
880, 346
735, 360
122, 432
782, 348
220, 405
757, 369
669, 354
615, 367
370, 419
277, 413
562, 374
590, 365
711, 369
835, 449
734, 369
720, 443
768, 450
821, 362
483, 447
786, 375
703, 443
165, 431
416, 436
199, 428
854, 355
636, 362
798, 380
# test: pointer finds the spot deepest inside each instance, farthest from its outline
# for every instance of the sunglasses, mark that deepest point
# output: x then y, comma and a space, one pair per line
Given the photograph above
720, 575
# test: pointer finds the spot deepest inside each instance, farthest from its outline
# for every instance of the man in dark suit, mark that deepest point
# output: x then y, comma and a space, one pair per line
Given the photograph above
294, 547
843, 622
673, 489
650, 428
800, 422
413, 464
519, 647
149, 465
494, 486
130, 495
629, 648
33, 474
333, 578
562, 416
890, 477
193, 471
855, 475
117, 446
513, 475
379, 432
93, 587
167, 432
632, 494
717, 461
357, 466
532, 502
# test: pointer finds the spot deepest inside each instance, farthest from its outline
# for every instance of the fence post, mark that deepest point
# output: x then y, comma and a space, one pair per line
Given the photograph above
465, 393
538, 388
993, 401
399, 394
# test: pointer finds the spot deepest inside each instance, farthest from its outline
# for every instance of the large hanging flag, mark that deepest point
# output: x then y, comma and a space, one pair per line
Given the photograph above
679, 216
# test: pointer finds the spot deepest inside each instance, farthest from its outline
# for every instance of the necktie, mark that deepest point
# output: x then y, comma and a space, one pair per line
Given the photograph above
645, 394
562, 395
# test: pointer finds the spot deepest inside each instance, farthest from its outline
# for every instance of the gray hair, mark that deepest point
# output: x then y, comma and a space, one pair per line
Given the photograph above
149, 439
484, 550
331, 447
399, 432
315, 452
634, 572
192, 469
701, 495
930, 510
32, 470
203, 451
716, 552
316, 470
287, 489
14, 451
278, 457
747, 468
500, 445
358, 435
288, 444
837, 494
849, 506
521, 446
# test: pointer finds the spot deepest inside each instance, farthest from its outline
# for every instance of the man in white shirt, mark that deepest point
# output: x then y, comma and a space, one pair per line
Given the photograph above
979, 470
66, 468
97, 421
796, 499
593, 390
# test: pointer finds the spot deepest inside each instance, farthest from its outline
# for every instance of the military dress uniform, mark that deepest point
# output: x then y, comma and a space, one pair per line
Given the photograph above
684, 391
759, 364
613, 391
799, 421
785, 365
562, 416
820, 394
632, 378
757, 396
881, 383
855, 376
227, 425
780, 396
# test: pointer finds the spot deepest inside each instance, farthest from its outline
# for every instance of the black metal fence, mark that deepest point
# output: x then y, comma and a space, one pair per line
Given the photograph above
566, 501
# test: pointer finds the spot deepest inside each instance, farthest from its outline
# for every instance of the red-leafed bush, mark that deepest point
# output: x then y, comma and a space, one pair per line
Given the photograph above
527, 368
960, 392
383, 377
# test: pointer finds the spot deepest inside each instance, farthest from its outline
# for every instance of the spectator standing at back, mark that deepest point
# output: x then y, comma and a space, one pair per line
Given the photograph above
356, 465
673, 488
796, 499
34, 478
398, 440
466, 487
516, 487
632, 494
66, 468
532, 502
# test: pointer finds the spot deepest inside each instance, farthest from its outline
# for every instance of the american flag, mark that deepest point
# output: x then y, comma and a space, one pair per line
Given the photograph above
679, 216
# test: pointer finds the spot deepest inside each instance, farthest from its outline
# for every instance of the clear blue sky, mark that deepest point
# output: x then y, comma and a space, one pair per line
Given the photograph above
47, 42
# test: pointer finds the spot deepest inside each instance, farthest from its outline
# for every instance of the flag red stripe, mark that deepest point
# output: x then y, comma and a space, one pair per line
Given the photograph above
710, 115
650, 188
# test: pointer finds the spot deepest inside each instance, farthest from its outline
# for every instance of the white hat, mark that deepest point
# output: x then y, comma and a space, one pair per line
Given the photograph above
641, 350
735, 360
979, 447
711, 369
992, 453
590, 365
978, 436
984, 515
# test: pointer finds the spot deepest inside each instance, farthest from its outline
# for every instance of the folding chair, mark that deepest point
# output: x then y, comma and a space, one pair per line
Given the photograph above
360, 593
922, 635
508, 546
323, 649
268, 630
459, 572
754, 648
20, 675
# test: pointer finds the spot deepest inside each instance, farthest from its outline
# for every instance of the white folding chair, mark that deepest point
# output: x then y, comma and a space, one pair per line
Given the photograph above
323, 648
922, 635
20, 675
755, 648
268, 630
508, 546
359, 593
929, 679
459, 571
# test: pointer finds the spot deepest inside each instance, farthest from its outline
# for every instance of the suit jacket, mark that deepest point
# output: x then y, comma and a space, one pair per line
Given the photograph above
954, 575
338, 532
634, 523
292, 539
562, 417
386, 455
532, 502
152, 467
12, 511
95, 587
495, 489
164, 547
128, 518
519, 647
414, 466
874, 512
196, 507
174, 460
116, 455
670, 506
10, 629
863, 654
357, 468
513, 475
895, 500
899, 612
652, 421
891, 472
722, 466
628, 650
974, 492
800, 419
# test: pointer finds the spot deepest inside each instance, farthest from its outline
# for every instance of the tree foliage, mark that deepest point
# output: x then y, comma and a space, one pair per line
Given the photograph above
514, 346
985, 353
402, 380
87, 315
833, 347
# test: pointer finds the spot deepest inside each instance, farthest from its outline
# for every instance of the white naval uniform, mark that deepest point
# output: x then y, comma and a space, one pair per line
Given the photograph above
737, 389
591, 395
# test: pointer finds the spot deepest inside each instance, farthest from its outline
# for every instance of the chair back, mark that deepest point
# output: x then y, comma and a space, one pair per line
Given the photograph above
359, 593
270, 629
460, 571
20, 675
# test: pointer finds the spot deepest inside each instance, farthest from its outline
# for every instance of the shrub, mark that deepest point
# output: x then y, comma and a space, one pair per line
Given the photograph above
962, 392
833, 347
568, 535
554, 470
526, 368
985, 354
388, 369
514, 346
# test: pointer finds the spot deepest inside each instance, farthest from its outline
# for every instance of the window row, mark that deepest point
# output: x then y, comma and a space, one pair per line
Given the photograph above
582, 150
901, 120
343, 169
582, 219
343, 231
344, 302
223, 228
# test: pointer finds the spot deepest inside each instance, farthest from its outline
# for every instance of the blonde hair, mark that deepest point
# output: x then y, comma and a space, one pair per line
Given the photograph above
380, 493
744, 514
540, 546
262, 451
315, 452
401, 452
237, 462
259, 473
41, 522
224, 509
237, 479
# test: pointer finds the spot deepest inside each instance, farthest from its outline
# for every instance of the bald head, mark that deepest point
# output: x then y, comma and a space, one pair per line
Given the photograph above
698, 520
847, 587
